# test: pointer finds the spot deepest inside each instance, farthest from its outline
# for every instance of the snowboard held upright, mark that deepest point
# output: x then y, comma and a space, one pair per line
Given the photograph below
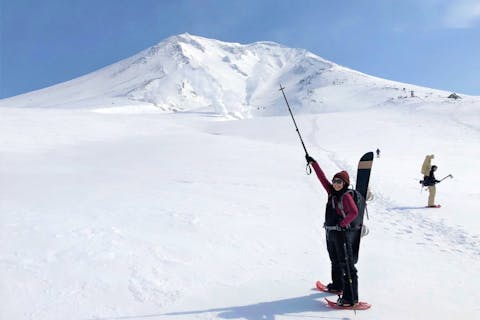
361, 186
363, 173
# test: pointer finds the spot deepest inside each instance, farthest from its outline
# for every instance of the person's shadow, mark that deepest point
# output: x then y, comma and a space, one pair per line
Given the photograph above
292, 307
269, 310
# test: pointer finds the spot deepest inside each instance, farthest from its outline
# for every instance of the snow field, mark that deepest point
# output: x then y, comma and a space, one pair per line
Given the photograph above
189, 216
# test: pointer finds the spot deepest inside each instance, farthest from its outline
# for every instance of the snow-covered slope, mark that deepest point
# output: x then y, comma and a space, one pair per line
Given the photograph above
186, 215
185, 72
181, 216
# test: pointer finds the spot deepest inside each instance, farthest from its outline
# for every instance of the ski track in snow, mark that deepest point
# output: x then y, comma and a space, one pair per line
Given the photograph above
407, 223
332, 156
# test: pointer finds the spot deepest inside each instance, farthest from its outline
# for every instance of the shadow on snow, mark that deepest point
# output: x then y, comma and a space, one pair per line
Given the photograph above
293, 307
269, 310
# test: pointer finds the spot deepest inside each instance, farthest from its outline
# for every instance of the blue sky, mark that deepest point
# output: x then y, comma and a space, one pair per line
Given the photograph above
433, 43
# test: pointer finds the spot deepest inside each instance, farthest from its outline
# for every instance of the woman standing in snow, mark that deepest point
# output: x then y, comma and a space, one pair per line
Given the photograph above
340, 211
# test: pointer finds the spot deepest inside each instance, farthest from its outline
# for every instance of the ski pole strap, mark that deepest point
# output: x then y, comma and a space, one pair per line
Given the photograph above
308, 169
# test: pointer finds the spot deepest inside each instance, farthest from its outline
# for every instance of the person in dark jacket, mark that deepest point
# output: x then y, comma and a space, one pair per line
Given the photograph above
430, 181
340, 211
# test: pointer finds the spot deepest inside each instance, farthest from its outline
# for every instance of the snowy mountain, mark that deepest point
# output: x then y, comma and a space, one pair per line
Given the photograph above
113, 206
185, 72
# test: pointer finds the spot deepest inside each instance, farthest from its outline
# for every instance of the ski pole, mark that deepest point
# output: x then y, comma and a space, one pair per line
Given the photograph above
309, 170
347, 265
449, 176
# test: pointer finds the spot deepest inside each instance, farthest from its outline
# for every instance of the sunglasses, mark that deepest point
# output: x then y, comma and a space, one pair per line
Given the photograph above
339, 181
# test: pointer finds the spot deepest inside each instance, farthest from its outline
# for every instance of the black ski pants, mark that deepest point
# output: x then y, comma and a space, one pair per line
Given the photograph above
343, 247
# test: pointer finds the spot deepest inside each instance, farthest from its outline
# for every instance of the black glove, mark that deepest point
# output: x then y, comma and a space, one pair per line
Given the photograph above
309, 159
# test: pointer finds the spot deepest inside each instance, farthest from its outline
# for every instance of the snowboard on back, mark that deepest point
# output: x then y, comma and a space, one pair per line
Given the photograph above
363, 178
363, 173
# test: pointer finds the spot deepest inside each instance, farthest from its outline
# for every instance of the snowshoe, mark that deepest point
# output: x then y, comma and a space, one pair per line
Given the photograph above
327, 288
358, 306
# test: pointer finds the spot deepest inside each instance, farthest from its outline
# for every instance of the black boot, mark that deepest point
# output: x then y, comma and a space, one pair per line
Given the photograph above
332, 289
345, 303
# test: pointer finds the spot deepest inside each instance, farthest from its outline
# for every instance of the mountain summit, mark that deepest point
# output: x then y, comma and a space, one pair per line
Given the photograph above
186, 73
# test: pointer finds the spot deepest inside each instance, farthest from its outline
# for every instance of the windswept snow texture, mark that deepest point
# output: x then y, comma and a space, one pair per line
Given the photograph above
113, 206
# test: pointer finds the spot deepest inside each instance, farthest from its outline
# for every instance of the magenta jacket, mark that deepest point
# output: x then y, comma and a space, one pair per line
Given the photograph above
349, 206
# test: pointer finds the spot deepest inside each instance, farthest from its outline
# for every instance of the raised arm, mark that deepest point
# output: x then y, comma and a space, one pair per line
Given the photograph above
321, 176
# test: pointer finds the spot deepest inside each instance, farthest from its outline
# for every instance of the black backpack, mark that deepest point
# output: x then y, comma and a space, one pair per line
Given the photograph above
427, 181
361, 204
